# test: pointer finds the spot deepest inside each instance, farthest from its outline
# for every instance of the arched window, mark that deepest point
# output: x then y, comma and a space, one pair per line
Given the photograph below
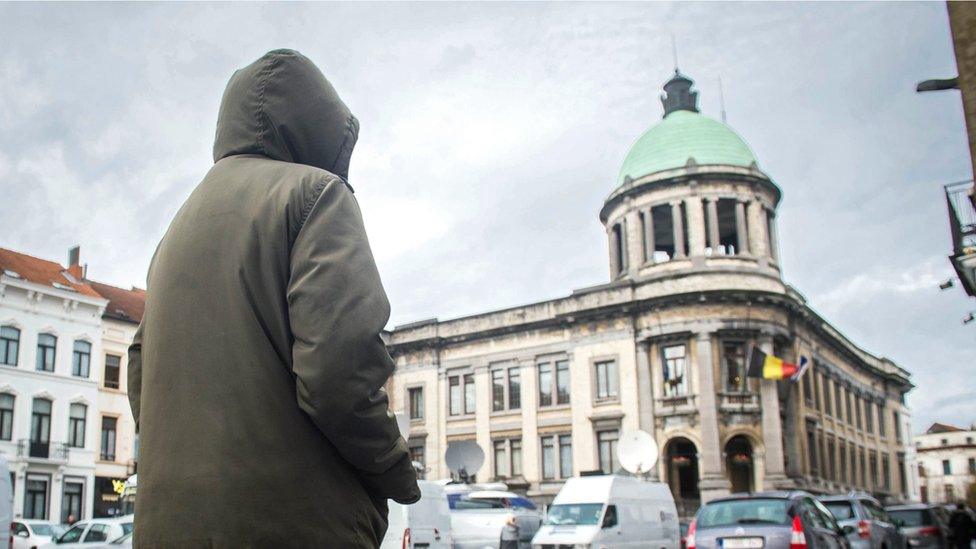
9, 345
76, 425
81, 359
47, 345
6, 416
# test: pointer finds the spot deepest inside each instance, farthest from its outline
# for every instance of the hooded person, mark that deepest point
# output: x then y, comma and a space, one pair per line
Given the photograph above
256, 377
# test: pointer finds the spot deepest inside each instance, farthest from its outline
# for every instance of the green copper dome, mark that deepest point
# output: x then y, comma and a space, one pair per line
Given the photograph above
682, 135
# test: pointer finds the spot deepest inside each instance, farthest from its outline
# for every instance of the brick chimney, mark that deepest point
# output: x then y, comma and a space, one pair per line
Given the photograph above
74, 263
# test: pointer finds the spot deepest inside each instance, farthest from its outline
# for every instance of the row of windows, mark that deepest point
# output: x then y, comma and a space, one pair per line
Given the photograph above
947, 467
40, 426
664, 232
840, 461
845, 405
47, 346
36, 495
506, 388
555, 453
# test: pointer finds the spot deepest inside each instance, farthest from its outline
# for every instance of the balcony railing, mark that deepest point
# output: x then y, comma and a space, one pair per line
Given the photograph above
738, 402
52, 451
961, 203
672, 405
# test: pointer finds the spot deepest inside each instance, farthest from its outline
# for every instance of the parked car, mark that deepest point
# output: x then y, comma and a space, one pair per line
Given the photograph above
924, 525
765, 520
426, 523
491, 518
86, 532
610, 511
124, 542
867, 522
32, 533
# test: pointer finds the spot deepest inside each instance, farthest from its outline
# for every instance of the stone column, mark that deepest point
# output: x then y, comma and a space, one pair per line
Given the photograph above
741, 230
649, 235
713, 483
634, 238
772, 427
678, 229
696, 226
713, 239
757, 228
645, 396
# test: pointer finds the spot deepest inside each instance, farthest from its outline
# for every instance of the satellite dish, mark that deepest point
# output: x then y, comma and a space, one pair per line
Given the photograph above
464, 457
637, 452
403, 424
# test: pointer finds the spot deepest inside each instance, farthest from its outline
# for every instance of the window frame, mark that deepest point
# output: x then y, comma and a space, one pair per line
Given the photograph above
558, 442
461, 379
44, 349
744, 386
558, 369
77, 423
7, 416
611, 380
415, 407
7, 342
117, 383
81, 358
510, 386
681, 387
102, 454
506, 447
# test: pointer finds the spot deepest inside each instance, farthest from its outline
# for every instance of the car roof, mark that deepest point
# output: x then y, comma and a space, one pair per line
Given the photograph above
112, 520
772, 494
849, 497
491, 494
910, 507
34, 521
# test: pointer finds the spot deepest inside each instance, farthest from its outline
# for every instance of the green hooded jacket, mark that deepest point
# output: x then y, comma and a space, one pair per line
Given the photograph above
256, 377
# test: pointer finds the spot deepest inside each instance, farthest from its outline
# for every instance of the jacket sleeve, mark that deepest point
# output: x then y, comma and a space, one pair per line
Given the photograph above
337, 310
134, 372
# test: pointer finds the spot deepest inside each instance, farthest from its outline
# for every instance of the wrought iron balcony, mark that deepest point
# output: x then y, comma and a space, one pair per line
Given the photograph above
738, 402
49, 451
961, 201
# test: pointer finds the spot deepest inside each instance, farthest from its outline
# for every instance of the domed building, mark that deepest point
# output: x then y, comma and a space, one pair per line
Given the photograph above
546, 389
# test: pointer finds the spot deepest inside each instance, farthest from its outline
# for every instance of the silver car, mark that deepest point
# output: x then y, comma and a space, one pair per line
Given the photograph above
925, 526
867, 523
765, 520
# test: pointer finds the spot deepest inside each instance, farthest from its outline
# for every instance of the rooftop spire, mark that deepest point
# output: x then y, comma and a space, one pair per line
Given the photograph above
678, 95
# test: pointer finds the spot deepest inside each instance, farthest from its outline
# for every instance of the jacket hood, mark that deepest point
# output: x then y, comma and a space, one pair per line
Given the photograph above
281, 106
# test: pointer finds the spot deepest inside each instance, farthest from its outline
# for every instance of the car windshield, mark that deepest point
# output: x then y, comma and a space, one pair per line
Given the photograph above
912, 518
74, 534
464, 502
842, 510
743, 511
577, 514
42, 529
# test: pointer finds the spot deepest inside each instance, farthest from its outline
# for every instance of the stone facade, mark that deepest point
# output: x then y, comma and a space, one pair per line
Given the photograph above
946, 463
695, 285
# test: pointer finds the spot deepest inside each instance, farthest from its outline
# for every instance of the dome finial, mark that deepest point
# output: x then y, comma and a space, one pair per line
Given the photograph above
678, 95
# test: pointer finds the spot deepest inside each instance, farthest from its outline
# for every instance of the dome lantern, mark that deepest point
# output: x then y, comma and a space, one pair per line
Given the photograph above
678, 95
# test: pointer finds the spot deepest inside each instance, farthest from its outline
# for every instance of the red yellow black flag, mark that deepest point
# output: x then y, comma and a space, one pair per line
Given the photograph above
766, 366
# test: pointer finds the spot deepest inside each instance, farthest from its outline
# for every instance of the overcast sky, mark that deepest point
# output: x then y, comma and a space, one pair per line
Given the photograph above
491, 134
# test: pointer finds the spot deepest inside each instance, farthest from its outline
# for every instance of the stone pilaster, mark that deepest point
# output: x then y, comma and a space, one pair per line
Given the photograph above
696, 226
482, 406
679, 230
757, 229
634, 248
645, 398
530, 432
713, 239
615, 258
741, 230
775, 473
713, 483
649, 234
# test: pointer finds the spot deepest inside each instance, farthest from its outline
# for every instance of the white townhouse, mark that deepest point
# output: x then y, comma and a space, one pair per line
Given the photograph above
50, 334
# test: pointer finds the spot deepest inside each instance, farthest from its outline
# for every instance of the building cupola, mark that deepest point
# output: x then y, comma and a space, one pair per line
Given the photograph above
678, 95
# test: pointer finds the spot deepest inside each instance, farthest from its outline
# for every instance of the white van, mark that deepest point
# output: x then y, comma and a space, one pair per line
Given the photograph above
426, 523
6, 503
611, 511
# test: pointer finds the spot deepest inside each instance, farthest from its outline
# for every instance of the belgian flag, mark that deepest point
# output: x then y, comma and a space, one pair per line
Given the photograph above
766, 366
